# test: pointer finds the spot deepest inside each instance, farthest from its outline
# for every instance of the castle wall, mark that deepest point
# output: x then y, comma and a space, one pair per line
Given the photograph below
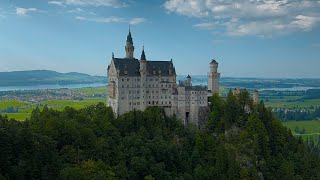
136, 85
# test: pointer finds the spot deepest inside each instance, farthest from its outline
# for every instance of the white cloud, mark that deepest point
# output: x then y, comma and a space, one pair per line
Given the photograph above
58, 3
111, 3
305, 22
77, 10
253, 17
136, 21
112, 19
24, 11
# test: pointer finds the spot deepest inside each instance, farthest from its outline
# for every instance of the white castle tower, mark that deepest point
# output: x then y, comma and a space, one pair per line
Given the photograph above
213, 77
255, 97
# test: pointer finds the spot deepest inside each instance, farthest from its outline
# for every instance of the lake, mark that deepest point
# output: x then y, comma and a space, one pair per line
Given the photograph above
54, 86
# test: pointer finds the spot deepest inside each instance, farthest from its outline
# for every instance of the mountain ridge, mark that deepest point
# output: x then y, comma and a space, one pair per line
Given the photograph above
47, 77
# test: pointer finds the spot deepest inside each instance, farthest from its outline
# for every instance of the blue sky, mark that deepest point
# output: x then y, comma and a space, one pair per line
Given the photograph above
249, 38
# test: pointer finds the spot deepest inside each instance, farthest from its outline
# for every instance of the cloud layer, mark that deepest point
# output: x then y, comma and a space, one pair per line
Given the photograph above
24, 11
112, 3
132, 21
250, 17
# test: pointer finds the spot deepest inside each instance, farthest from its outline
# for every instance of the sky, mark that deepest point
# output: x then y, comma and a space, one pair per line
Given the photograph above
249, 38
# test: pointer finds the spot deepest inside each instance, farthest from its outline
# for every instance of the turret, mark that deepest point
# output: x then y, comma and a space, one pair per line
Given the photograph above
213, 77
129, 46
214, 66
188, 82
143, 63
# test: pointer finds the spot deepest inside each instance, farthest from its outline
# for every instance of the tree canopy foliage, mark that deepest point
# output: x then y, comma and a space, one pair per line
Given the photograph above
241, 140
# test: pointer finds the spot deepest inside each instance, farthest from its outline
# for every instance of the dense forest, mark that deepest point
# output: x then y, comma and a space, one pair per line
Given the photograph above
240, 140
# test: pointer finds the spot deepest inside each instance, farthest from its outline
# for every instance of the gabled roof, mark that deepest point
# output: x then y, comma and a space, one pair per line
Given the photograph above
160, 67
132, 66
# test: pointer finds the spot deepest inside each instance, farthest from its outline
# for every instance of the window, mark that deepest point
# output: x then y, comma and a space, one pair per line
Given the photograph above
122, 79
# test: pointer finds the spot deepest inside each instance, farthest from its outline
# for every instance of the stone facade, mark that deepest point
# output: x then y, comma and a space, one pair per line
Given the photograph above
137, 84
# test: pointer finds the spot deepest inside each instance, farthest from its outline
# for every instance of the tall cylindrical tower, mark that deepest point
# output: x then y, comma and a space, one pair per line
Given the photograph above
213, 77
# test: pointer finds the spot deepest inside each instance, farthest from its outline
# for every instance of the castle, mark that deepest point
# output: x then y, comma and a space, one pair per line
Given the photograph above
135, 84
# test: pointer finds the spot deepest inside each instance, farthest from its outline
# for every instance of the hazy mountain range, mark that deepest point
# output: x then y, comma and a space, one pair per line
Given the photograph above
47, 77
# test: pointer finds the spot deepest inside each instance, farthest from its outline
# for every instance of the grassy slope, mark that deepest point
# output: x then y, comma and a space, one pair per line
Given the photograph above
312, 126
5, 104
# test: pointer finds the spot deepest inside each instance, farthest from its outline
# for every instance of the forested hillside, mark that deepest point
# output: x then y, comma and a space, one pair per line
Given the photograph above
240, 141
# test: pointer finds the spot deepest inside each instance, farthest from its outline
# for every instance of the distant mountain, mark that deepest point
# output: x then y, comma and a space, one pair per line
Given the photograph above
46, 77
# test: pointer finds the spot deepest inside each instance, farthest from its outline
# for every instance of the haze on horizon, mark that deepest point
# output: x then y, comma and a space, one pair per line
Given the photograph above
270, 38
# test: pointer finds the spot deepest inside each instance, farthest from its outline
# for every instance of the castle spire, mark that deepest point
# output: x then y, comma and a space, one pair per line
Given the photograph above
129, 46
143, 55
129, 37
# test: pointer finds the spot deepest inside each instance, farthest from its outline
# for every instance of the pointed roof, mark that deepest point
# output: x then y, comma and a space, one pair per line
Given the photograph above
213, 61
143, 55
188, 76
129, 37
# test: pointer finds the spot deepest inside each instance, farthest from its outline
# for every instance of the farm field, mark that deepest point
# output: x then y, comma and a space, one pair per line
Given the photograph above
284, 103
25, 108
312, 128
22, 109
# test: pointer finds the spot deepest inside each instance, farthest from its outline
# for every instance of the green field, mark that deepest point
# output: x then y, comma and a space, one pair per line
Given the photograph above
92, 91
5, 104
18, 116
312, 128
283, 103
25, 108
